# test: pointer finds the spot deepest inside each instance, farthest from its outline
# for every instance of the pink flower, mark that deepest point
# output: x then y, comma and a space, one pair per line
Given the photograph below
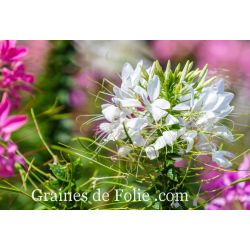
83, 82
36, 59
86, 79
211, 176
173, 49
16, 74
236, 196
16, 80
12, 71
77, 98
220, 54
8, 159
10, 53
9, 124
180, 163
244, 59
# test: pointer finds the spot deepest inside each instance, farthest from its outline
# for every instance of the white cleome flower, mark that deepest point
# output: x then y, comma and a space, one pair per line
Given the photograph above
148, 114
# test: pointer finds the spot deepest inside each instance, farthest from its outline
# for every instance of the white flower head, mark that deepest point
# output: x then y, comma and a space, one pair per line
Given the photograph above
159, 112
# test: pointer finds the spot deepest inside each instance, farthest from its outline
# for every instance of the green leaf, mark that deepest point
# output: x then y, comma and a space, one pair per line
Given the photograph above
159, 71
168, 69
202, 77
177, 70
144, 73
60, 172
157, 206
172, 175
190, 66
184, 72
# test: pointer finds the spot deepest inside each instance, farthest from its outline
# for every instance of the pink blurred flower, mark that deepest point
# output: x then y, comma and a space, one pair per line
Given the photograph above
9, 124
86, 79
36, 59
211, 176
173, 49
77, 98
180, 163
220, 54
244, 59
236, 196
83, 82
8, 159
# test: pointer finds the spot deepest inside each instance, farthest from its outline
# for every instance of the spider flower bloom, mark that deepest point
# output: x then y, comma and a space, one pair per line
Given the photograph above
172, 112
12, 71
236, 196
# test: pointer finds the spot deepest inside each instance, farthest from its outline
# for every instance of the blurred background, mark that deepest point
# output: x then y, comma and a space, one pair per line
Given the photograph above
69, 75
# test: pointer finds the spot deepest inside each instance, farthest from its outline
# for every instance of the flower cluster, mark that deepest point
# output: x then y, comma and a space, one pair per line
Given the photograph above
172, 112
13, 77
9, 124
235, 196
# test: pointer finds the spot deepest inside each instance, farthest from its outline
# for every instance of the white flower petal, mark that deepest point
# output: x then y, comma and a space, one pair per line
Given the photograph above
124, 151
141, 92
110, 112
105, 127
170, 137
157, 113
135, 77
181, 132
189, 137
227, 154
207, 118
198, 103
171, 120
181, 107
190, 134
121, 93
137, 139
151, 152
127, 71
223, 102
154, 87
185, 98
219, 158
129, 103
167, 138
223, 132
116, 132
210, 101
190, 142
161, 103
220, 86
160, 143
136, 124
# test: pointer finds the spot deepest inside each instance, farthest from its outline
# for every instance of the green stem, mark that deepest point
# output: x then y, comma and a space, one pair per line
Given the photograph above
41, 137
